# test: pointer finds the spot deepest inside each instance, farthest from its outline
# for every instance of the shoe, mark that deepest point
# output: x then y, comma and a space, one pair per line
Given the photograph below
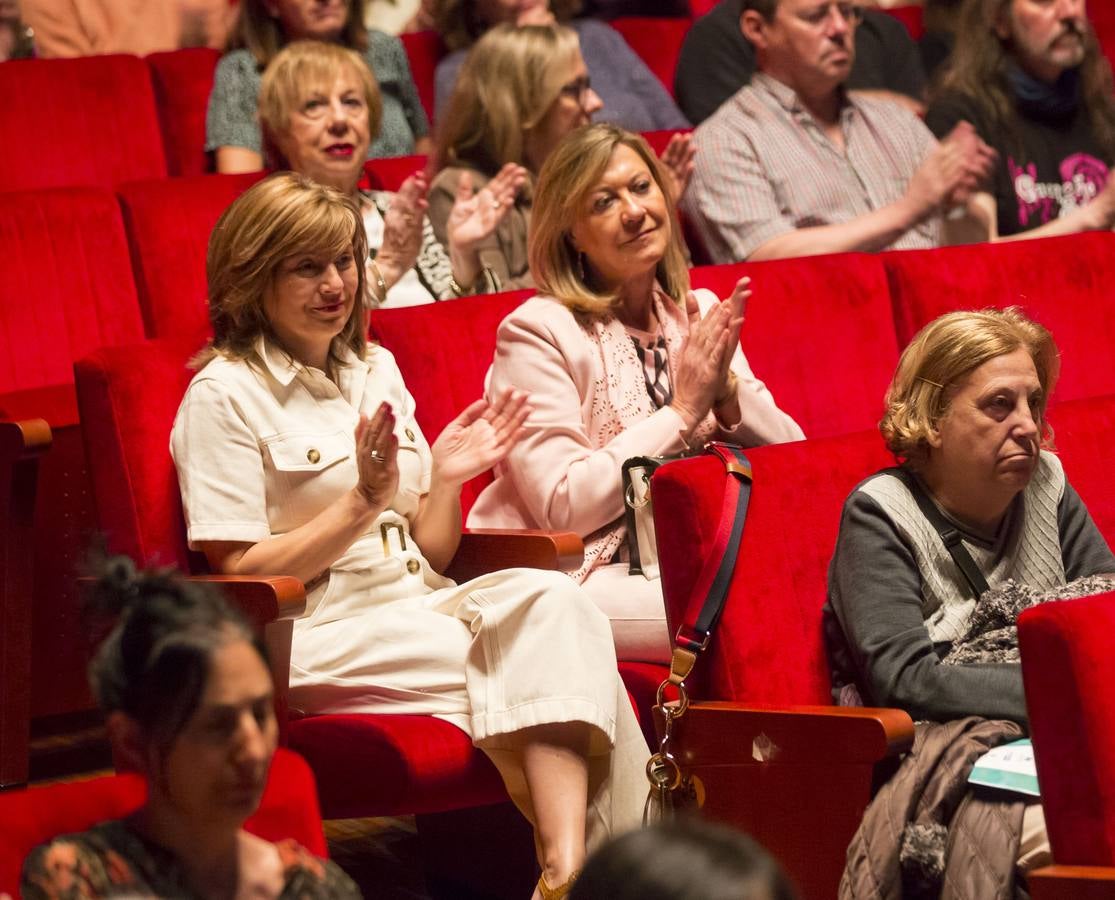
556, 893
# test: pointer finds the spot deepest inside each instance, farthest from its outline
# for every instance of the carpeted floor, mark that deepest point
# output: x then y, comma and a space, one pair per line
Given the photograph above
380, 855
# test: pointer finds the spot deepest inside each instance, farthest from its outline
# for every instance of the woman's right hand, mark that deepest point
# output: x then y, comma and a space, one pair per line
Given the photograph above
377, 451
705, 354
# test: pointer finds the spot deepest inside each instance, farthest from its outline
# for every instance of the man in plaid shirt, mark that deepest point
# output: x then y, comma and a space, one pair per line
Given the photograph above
795, 165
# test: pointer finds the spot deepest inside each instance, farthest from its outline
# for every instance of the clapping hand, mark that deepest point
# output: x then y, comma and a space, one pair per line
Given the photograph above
677, 160
474, 216
480, 437
704, 375
377, 451
402, 228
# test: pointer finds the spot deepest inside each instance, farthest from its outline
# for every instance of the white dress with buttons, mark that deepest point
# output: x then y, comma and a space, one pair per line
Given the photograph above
262, 447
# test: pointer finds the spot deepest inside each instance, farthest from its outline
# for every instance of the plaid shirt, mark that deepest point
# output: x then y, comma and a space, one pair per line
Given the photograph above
764, 167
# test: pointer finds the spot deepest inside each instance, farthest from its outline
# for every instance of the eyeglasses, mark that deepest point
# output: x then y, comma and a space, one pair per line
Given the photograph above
818, 18
577, 90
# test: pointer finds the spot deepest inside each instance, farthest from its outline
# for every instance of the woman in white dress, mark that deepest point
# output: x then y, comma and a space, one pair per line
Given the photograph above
298, 453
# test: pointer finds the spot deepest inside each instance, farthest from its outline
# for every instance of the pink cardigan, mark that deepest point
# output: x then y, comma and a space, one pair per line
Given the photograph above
591, 412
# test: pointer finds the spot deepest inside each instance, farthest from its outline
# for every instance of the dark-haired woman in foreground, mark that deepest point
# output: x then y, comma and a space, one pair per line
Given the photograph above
188, 696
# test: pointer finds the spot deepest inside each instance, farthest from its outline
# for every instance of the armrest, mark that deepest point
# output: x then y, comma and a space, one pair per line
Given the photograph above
24, 439
262, 598
21, 445
718, 732
484, 550
1079, 882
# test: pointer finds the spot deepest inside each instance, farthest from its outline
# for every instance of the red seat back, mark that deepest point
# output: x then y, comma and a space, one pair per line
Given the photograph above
1083, 431
182, 80
128, 398
444, 351
819, 333
1064, 283
1069, 672
768, 646
389, 172
1103, 21
657, 42
86, 121
288, 809
168, 223
911, 17
65, 289
424, 49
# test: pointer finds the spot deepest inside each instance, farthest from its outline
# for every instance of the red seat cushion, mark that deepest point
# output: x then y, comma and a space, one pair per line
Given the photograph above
86, 121
182, 80
819, 333
168, 223
288, 809
1069, 672
1064, 283
444, 351
768, 647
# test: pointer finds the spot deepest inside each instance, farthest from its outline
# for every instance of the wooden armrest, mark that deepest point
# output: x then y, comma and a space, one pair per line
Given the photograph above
24, 439
718, 732
484, 550
262, 598
1078, 882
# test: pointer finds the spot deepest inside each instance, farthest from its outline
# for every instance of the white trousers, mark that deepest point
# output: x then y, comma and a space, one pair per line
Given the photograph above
500, 653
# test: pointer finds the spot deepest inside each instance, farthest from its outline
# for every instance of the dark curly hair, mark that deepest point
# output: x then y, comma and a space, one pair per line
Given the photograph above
155, 661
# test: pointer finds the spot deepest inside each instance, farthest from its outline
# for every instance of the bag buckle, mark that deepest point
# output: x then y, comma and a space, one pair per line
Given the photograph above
691, 639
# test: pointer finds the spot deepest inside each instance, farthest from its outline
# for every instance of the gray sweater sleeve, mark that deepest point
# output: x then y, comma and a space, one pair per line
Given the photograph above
1083, 549
875, 593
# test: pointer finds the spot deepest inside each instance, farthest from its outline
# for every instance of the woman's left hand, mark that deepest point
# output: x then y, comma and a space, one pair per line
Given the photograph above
402, 228
677, 159
479, 437
475, 216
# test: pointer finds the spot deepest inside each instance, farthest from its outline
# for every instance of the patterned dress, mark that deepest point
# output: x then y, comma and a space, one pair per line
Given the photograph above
113, 860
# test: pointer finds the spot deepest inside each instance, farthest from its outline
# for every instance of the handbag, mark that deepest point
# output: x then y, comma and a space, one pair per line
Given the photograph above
669, 787
638, 512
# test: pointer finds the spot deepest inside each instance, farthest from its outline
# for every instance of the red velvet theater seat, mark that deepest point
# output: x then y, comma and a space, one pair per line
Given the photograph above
367, 765
182, 80
1064, 283
65, 289
389, 172
168, 223
819, 333
1083, 432
88, 121
288, 809
1069, 672
911, 17
424, 50
444, 351
763, 682
657, 42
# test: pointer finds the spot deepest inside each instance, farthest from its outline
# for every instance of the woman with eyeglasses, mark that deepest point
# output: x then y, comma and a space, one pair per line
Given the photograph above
632, 95
520, 92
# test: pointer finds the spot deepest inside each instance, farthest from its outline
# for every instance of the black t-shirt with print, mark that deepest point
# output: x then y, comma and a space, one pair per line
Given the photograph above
1057, 166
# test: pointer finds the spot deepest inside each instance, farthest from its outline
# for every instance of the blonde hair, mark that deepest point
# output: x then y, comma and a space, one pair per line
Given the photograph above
282, 216
459, 25
941, 355
262, 35
506, 86
567, 177
298, 70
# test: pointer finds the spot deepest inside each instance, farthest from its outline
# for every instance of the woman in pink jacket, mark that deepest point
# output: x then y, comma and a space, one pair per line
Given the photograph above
621, 359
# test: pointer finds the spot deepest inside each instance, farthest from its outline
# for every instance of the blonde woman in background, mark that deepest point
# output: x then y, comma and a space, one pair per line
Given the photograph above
520, 92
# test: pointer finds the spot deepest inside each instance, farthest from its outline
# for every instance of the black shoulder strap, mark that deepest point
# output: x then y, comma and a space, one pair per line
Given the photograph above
949, 534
